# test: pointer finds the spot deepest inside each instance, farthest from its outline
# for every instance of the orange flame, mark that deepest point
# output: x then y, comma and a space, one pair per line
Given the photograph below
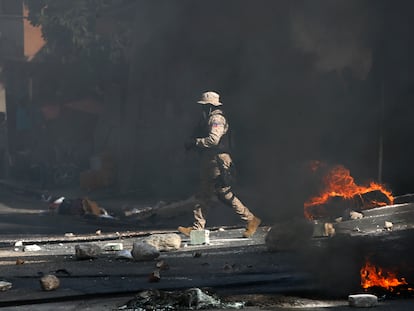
374, 276
339, 183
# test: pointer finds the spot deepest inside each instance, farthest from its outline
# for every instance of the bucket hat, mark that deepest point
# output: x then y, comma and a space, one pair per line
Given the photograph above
210, 98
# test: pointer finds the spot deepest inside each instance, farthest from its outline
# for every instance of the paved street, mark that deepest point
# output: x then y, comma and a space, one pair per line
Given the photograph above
239, 268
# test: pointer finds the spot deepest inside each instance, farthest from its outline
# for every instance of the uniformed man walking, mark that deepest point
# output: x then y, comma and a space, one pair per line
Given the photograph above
216, 165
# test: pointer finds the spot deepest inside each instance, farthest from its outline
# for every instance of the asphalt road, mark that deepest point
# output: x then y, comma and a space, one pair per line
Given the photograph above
27, 216
256, 303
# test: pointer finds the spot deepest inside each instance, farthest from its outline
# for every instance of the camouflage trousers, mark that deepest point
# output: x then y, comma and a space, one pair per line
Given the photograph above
211, 185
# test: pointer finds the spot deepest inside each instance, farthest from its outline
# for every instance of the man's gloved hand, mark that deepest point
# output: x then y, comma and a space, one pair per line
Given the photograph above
190, 144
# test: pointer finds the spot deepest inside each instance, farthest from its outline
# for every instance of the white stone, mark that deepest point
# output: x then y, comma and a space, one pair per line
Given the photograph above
164, 242
362, 300
32, 248
113, 247
198, 237
142, 251
388, 225
5, 286
356, 215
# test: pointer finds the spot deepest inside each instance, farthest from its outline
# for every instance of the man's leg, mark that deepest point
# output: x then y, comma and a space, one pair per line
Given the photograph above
203, 197
200, 221
226, 195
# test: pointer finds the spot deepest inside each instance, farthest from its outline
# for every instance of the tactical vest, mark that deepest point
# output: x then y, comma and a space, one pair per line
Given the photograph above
224, 145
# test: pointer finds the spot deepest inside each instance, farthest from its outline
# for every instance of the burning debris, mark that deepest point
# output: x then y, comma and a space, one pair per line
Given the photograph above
340, 196
376, 277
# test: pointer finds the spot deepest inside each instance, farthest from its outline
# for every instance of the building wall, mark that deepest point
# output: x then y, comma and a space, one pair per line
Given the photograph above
2, 98
33, 40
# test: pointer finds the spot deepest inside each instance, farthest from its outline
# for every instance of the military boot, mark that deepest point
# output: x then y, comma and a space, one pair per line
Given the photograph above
251, 227
185, 230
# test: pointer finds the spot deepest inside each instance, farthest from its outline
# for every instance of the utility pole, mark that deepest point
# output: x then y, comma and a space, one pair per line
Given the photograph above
381, 129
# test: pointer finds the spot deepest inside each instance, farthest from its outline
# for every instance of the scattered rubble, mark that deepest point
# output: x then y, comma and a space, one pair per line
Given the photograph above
355, 215
329, 229
5, 286
49, 282
113, 247
124, 254
190, 299
19, 261
32, 248
19, 247
363, 300
381, 220
154, 276
87, 251
388, 225
162, 265
164, 242
198, 237
142, 251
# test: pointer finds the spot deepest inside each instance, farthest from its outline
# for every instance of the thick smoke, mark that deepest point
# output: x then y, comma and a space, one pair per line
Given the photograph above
300, 81
339, 34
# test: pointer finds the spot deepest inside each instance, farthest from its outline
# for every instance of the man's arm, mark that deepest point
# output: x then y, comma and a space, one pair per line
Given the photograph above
218, 127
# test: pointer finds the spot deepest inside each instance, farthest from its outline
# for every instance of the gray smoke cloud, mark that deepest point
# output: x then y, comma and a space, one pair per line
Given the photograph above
339, 34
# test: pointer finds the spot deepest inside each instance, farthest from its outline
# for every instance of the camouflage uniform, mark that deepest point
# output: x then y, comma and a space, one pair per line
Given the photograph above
216, 164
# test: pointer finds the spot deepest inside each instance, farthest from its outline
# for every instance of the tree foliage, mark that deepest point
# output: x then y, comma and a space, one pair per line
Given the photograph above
69, 28
88, 38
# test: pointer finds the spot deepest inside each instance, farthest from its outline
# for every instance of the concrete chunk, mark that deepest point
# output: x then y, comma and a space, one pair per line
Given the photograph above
49, 282
142, 251
32, 248
164, 242
124, 254
87, 251
200, 237
363, 300
113, 247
